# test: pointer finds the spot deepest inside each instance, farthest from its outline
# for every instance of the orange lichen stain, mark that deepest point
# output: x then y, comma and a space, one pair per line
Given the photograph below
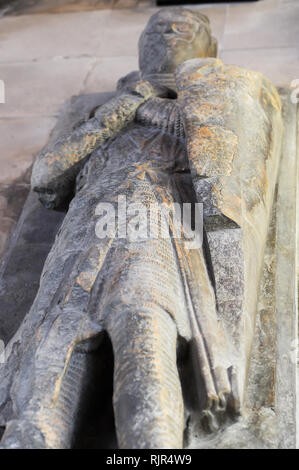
229, 204
141, 175
212, 150
58, 382
144, 144
197, 75
49, 433
141, 170
86, 280
270, 97
207, 111
205, 132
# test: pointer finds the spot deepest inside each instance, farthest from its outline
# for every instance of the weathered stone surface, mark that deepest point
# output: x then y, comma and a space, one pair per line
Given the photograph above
19, 285
226, 250
286, 282
228, 141
263, 367
271, 396
222, 254
21, 139
12, 198
159, 312
35, 231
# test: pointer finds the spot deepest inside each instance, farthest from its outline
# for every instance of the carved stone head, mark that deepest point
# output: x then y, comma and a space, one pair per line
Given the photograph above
172, 36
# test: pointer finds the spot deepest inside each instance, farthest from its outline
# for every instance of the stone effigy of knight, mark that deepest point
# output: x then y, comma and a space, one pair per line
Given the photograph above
185, 130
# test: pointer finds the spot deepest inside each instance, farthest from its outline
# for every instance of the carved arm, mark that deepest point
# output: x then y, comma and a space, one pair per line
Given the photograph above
55, 168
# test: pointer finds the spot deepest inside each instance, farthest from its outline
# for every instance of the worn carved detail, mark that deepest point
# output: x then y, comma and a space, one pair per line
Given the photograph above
185, 129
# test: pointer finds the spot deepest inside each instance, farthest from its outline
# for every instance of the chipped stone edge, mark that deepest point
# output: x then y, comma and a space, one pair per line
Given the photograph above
285, 283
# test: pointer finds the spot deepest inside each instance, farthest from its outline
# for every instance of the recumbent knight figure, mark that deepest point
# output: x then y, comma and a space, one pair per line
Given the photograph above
184, 129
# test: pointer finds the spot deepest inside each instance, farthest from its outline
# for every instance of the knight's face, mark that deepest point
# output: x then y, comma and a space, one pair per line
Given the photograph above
170, 39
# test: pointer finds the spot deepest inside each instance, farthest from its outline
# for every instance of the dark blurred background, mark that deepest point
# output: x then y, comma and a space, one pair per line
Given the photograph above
42, 6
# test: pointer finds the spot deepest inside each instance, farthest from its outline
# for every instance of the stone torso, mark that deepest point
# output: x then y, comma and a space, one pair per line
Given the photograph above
156, 138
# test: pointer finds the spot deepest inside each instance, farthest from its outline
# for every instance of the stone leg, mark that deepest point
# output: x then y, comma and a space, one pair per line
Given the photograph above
42, 426
148, 401
49, 385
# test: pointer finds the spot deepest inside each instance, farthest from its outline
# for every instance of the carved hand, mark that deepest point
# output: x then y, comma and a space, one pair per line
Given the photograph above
56, 167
